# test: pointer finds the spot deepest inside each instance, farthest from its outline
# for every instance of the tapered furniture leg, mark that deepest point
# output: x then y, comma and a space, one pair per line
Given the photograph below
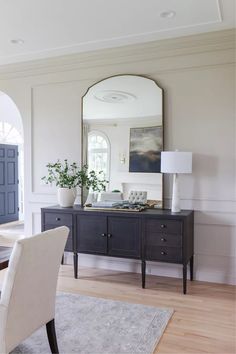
52, 338
76, 265
191, 268
62, 259
143, 274
184, 278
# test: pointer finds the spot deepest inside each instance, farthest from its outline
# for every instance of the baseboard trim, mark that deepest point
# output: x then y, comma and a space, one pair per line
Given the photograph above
153, 268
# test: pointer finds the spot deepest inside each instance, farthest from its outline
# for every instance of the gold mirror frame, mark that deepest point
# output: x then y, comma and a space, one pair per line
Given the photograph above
82, 120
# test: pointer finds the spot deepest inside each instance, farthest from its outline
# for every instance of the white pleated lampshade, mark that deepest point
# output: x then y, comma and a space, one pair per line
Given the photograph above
176, 162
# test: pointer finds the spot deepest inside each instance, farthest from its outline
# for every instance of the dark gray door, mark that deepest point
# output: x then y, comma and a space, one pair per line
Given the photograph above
91, 234
124, 237
8, 183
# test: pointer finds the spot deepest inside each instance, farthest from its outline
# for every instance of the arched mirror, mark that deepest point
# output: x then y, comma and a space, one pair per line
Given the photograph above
123, 134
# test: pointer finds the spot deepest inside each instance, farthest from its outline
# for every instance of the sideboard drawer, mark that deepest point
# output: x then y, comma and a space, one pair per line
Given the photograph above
58, 219
164, 254
166, 240
164, 226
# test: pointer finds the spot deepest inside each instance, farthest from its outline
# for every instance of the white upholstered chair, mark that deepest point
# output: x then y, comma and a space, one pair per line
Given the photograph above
29, 289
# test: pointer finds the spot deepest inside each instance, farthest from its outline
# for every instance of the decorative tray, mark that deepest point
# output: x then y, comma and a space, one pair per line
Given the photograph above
133, 208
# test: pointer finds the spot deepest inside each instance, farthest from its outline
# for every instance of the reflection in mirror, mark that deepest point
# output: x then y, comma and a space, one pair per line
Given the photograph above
123, 134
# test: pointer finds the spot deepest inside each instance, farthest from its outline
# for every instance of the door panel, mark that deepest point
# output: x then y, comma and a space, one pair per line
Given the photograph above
2, 204
8, 183
2, 151
11, 152
2, 173
11, 174
124, 239
11, 197
91, 234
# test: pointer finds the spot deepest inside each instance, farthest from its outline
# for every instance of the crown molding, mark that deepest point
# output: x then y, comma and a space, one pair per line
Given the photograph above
207, 42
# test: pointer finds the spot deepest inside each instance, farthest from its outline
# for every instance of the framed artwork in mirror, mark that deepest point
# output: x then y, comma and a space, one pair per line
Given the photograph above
122, 134
146, 145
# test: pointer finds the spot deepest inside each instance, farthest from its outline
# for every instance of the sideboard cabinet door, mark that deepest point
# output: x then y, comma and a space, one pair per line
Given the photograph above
124, 237
91, 236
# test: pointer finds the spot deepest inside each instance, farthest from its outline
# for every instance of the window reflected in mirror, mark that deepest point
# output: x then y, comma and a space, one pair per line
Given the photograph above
98, 153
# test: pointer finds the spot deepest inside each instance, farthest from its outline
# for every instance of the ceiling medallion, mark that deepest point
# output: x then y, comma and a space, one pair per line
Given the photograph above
168, 14
17, 41
114, 96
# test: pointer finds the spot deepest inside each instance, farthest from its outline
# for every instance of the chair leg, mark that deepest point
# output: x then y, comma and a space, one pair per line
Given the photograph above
52, 338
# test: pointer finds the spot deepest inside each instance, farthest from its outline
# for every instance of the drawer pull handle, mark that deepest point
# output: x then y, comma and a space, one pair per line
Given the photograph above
163, 226
163, 253
163, 239
103, 235
109, 235
58, 219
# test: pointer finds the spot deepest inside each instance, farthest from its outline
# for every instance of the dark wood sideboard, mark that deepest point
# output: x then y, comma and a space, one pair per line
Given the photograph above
150, 235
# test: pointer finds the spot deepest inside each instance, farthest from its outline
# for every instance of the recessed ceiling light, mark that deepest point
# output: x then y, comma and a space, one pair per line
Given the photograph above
17, 41
168, 14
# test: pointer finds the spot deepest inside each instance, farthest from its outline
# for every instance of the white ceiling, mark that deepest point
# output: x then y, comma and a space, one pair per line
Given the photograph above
58, 27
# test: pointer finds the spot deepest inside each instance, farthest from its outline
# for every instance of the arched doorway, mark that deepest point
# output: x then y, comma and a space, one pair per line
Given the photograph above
11, 137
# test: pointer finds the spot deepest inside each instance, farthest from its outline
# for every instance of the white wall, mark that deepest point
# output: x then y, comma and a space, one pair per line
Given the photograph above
197, 75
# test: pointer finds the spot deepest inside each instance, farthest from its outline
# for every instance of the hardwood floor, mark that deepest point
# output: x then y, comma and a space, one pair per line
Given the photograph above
11, 232
203, 321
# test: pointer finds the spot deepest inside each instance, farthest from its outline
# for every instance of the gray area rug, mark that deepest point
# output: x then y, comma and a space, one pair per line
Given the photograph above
89, 325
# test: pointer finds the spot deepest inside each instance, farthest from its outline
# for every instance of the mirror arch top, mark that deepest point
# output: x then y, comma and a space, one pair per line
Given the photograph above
128, 109
133, 95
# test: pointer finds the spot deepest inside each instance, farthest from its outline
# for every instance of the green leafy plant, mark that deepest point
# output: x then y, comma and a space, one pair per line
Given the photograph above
66, 175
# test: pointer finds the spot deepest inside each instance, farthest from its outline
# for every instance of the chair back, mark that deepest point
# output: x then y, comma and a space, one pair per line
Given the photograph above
29, 288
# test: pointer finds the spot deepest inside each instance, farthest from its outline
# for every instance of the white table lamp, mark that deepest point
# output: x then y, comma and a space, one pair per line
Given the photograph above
176, 162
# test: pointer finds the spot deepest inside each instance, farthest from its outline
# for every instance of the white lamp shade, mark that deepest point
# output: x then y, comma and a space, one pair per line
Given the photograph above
176, 162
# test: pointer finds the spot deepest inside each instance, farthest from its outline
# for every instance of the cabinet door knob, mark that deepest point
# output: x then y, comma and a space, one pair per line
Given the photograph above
103, 235
58, 219
163, 253
163, 226
109, 235
163, 239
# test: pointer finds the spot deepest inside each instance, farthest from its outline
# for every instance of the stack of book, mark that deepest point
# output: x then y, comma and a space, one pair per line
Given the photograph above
105, 204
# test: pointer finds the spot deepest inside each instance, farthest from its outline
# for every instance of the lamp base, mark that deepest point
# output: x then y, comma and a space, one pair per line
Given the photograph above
175, 206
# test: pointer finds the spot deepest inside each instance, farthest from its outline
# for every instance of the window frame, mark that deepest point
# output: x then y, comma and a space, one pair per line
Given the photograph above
108, 149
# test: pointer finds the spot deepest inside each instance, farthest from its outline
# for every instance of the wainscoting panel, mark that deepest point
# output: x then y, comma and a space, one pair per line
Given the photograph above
56, 118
